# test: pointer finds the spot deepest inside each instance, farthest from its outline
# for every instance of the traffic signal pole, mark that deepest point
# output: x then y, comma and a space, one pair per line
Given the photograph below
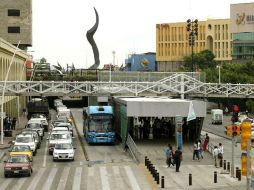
233, 160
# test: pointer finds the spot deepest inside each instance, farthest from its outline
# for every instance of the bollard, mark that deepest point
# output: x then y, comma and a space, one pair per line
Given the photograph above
145, 160
190, 179
215, 177
228, 167
225, 165
239, 175
155, 174
220, 162
237, 172
158, 178
162, 181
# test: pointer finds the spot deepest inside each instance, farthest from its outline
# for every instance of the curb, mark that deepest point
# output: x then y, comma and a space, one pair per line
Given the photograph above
80, 139
2, 154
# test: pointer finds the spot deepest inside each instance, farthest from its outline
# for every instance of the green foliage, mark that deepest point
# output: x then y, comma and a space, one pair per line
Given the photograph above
250, 105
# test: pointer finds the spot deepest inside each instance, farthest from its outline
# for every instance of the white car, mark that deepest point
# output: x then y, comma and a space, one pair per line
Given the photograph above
25, 139
58, 137
68, 125
63, 151
56, 129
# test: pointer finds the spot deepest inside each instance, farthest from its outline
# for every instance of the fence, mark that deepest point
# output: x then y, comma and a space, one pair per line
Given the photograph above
133, 148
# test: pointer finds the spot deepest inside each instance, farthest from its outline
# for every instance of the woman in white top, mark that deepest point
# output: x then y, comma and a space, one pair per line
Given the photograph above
220, 153
215, 155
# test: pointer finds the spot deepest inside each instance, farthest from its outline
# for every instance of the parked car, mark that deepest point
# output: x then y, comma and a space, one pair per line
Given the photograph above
17, 165
21, 150
63, 151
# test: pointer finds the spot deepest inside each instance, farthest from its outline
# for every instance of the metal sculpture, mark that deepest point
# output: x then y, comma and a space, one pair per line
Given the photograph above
89, 36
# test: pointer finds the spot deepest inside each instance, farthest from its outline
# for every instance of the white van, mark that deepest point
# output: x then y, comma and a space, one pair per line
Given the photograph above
217, 116
64, 112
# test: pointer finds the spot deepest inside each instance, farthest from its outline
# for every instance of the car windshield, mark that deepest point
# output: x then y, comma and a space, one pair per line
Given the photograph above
33, 125
20, 149
100, 125
59, 136
63, 146
18, 159
24, 139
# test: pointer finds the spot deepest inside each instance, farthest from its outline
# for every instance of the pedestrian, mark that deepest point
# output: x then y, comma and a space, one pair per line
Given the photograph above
215, 155
24, 111
8, 123
169, 155
195, 151
226, 110
178, 157
206, 142
200, 149
220, 152
13, 123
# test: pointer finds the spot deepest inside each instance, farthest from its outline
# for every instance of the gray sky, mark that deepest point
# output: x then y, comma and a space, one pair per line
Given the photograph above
126, 26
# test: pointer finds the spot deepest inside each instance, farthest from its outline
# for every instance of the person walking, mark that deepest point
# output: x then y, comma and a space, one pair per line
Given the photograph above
206, 142
215, 155
13, 123
195, 151
169, 155
200, 149
178, 156
220, 153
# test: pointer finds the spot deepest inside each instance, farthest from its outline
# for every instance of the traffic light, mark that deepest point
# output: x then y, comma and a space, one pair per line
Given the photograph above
244, 164
229, 130
246, 134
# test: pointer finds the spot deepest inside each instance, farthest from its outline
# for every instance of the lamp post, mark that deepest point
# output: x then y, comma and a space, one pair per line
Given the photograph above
2, 102
192, 28
218, 66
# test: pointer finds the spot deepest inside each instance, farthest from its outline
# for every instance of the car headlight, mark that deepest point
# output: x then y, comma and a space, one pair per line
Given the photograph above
55, 153
7, 168
71, 153
25, 168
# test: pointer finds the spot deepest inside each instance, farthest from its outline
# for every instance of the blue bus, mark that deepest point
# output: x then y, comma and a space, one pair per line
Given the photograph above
98, 124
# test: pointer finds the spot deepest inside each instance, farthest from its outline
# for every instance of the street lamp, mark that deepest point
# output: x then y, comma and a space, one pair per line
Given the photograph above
2, 102
192, 28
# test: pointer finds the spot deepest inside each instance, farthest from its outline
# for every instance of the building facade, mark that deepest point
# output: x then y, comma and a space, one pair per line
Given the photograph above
172, 42
12, 104
16, 22
141, 62
242, 28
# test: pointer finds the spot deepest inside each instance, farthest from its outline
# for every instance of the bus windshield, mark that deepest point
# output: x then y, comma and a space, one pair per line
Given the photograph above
100, 125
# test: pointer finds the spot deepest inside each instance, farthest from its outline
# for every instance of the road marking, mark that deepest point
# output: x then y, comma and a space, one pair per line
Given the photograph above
50, 179
77, 178
45, 155
91, 171
63, 178
104, 178
4, 185
132, 179
36, 179
19, 184
81, 163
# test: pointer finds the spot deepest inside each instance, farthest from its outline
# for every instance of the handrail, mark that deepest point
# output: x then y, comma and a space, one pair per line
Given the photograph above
133, 148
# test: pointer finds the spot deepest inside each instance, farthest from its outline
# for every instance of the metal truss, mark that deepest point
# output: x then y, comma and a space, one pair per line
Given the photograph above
175, 85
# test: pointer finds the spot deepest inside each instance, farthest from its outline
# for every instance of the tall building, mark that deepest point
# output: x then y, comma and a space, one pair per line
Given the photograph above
242, 28
16, 22
172, 42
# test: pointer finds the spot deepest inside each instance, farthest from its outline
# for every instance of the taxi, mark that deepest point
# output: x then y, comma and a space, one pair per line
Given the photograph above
22, 150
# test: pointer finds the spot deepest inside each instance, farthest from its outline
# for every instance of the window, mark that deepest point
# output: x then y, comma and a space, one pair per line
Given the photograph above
14, 29
13, 12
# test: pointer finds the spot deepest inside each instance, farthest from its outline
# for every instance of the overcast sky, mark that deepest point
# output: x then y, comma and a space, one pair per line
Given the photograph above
125, 26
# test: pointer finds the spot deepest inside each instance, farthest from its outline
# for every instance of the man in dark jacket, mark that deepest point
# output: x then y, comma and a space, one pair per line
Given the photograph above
178, 158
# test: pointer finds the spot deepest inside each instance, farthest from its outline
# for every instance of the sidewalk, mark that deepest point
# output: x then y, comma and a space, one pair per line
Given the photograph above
7, 141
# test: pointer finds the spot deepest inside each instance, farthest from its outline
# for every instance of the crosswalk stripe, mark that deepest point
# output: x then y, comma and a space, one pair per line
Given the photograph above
50, 179
63, 179
116, 170
19, 184
131, 178
77, 178
45, 155
4, 185
104, 178
36, 179
91, 171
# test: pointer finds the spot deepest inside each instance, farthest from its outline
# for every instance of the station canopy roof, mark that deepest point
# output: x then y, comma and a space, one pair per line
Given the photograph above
163, 107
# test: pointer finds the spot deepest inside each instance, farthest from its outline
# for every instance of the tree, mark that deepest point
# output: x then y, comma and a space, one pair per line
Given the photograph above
201, 60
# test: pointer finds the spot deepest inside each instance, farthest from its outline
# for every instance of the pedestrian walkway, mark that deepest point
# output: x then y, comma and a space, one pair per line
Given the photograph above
7, 141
